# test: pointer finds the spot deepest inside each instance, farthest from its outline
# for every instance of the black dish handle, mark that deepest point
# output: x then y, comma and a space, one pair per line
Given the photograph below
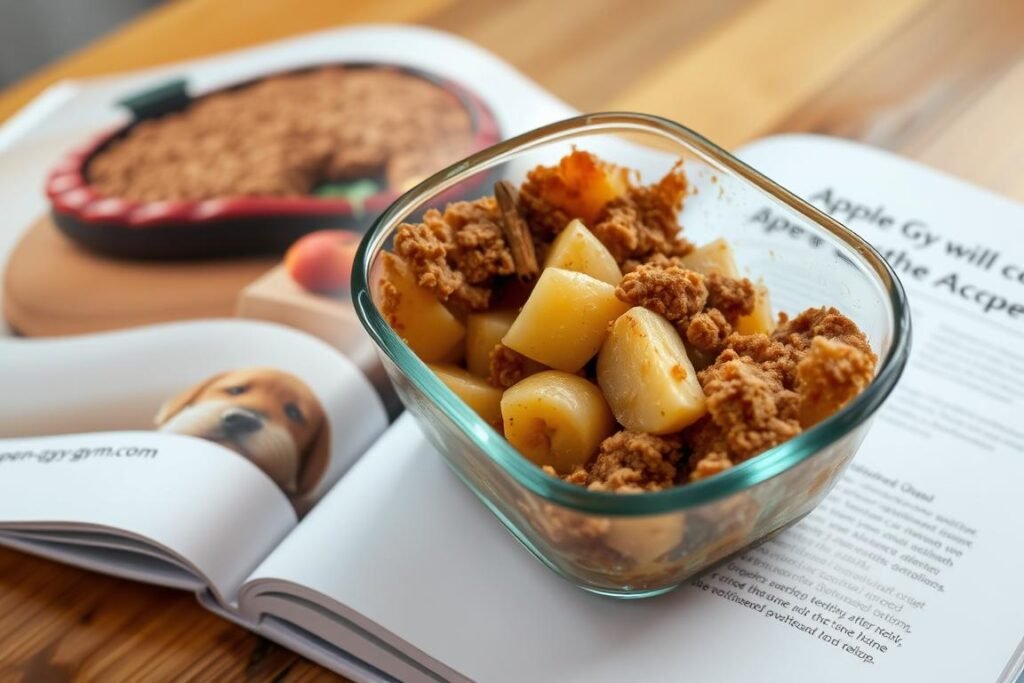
157, 101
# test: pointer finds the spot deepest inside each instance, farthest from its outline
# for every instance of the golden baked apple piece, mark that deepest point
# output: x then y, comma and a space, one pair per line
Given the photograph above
565, 320
714, 257
581, 184
577, 249
484, 399
760, 320
646, 376
483, 332
430, 329
557, 419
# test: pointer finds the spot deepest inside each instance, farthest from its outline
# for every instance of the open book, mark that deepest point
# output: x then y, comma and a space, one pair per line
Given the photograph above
359, 548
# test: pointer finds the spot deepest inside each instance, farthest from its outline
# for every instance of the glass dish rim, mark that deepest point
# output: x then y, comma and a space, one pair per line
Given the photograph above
764, 466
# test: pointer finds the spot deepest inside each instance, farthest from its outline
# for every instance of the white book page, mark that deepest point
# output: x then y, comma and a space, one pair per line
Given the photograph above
207, 503
908, 571
192, 499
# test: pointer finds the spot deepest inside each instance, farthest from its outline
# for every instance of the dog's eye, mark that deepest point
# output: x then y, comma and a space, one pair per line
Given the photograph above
235, 391
293, 413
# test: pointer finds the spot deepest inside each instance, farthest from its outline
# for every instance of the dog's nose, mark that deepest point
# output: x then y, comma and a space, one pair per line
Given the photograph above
239, 421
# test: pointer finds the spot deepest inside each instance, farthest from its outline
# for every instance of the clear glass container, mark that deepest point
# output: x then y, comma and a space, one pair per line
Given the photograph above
639, 545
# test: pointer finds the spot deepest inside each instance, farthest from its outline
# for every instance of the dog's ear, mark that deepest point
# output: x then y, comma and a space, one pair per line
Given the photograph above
176, 403
318, 456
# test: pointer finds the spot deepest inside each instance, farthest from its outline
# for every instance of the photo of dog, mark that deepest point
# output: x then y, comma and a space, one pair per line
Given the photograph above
268, 416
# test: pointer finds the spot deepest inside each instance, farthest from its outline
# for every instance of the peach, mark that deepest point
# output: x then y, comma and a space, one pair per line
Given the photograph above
322, 261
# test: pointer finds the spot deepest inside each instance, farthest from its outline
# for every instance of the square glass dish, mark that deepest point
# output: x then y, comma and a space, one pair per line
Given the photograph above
639, 545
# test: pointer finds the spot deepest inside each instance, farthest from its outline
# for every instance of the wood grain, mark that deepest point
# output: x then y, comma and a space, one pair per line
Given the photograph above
915, 85
760, 65
599, 48
939, 80
120, 292
60, 623
984, 142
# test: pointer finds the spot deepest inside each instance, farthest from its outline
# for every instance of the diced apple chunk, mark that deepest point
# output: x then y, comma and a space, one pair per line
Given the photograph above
760, 320
565, 320
714, 257
577, 249
430, 329
557, 419
483, 332
645, 539
646, 375
484, 399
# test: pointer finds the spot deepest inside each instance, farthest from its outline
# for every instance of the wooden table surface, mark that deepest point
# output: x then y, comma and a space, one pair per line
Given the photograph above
941, 81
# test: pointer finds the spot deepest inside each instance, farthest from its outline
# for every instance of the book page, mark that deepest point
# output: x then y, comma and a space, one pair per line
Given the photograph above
907, 571
253, 423
183, 497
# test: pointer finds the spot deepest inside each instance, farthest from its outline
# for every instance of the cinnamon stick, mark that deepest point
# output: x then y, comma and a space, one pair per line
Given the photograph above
517, 233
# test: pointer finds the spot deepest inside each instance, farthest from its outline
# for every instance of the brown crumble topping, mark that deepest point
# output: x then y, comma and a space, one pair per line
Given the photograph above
763, 390
286, 134
709, 465
458, 253
733, 297
708, 331
391, 298
820, 322
545, 219
629, 265
481, 251
631, 462
829, 376
424, 247
773, 356
672, 292
578, 476
507, 366
780, 352
645, 221
630, 238
620, 231
749, 409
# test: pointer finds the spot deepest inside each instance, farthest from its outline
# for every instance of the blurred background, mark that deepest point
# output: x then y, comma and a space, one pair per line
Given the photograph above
941, 81
36, 32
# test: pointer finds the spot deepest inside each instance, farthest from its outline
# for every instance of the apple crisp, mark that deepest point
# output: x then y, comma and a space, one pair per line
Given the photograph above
635, 361
286, 135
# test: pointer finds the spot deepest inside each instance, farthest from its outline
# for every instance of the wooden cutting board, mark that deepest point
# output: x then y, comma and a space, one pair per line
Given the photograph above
52, 287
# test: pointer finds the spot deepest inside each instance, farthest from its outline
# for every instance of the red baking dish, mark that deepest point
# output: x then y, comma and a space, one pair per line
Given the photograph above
229, 226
